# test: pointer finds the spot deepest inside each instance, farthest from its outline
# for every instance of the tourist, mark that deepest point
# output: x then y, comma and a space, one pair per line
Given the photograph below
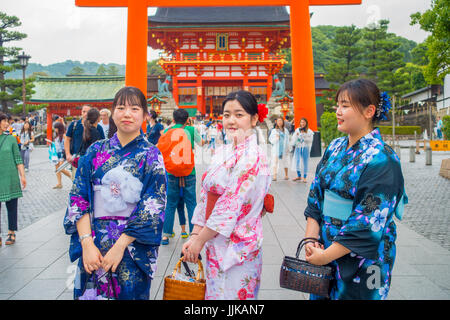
154, 128
227, 220
91, 133
59, 145
125, 177
212, 135
105, 114
279, 139
26, 139
301, 141
181, 188
356, 191
439, 128
74, 137
13, 174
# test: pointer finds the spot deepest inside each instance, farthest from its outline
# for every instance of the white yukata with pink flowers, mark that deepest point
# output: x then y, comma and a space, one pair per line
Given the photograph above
240, 175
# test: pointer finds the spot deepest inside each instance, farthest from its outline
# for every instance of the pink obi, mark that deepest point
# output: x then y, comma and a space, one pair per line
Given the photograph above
101, 212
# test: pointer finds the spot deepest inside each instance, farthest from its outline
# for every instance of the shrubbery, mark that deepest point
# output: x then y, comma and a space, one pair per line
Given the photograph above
401, 130
446, 127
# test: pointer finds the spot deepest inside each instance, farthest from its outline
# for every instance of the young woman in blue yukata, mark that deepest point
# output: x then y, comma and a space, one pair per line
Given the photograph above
116, 207
357, 190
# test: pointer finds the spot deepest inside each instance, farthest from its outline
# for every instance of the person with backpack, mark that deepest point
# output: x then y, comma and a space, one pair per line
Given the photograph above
177, 147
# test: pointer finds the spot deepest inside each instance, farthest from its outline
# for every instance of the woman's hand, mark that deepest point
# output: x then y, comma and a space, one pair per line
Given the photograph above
92, 258
317, 256
310, 245
113, 258
23, 181
192, 249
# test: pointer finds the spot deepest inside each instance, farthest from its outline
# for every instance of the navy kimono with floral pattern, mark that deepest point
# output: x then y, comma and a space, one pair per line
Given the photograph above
134, 173
370, 175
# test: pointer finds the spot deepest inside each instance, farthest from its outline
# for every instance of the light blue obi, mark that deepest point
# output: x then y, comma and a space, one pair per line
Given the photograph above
336, 207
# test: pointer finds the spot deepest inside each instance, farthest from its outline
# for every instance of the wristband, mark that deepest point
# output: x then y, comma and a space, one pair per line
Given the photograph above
85, 236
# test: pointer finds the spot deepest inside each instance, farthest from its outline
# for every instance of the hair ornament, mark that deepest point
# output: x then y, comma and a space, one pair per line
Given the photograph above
263, 111
383, 107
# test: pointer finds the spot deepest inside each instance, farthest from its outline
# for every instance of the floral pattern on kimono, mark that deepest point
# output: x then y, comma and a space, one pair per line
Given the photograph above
369, 174
133, 174
240, 175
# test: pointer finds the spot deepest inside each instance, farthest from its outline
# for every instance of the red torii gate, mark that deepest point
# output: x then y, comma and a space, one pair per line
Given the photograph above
301, 42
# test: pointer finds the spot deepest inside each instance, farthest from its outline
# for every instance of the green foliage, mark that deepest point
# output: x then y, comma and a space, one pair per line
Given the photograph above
8, 59
154, 69
328, 128
76, 71
436, 21
29, 108
112, 70
446, 127
401, 130
101, 71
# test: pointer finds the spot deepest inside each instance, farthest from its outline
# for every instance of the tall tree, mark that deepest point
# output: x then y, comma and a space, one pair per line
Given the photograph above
347, 51
8, 59
374, 35
112, 70
101, 71
437, 21
76, 71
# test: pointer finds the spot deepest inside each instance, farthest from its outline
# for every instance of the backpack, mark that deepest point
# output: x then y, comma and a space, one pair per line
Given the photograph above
177, 152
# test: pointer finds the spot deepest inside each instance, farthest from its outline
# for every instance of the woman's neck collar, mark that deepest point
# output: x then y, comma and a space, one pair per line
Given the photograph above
126, 138
152, 122
355, 137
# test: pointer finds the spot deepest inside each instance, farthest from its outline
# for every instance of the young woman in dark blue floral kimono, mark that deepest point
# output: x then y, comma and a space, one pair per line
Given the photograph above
357, 190
116, 207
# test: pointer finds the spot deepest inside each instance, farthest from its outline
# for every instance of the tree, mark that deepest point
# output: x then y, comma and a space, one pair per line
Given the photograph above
8, 60
419, 54
436, 21
153, 68
112, 70
76, 71
347, 52
373, 36
101, 71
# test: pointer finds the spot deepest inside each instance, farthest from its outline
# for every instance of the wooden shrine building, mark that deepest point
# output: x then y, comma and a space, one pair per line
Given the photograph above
212, 51
66, 95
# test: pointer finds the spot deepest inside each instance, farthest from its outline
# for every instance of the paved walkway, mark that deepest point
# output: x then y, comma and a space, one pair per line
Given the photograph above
38, 266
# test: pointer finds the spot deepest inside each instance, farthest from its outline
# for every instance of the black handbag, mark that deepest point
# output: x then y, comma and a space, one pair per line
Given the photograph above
300, 275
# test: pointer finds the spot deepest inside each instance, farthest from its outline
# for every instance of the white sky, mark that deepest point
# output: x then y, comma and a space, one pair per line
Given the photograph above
58, 30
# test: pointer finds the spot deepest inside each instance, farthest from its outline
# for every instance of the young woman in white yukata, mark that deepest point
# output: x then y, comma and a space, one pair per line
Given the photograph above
227, 219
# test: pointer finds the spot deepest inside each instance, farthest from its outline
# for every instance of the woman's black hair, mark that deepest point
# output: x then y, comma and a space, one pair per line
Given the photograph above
112, 128
276, 120
3, 116
153, 114
130, 96
361, 93
245, 98
91, 118
61, 129
30, 128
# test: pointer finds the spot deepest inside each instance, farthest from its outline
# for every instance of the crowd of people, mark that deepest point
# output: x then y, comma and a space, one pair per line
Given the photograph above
127, 186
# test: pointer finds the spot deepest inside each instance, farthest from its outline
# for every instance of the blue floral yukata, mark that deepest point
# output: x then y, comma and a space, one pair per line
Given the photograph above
131, 176
369, 175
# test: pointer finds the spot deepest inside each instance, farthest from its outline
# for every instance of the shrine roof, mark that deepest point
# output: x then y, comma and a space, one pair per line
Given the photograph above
77, 88
203, 15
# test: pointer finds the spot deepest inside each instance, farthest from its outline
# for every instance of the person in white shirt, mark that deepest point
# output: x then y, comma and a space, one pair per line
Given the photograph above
279, 139
105, 114
302, 140
212, 133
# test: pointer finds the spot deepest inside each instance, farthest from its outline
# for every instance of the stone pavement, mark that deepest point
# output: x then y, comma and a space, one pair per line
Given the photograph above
38, 266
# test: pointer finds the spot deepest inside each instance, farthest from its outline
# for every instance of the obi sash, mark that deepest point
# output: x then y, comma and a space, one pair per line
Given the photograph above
210, 203
335, 206
101, 212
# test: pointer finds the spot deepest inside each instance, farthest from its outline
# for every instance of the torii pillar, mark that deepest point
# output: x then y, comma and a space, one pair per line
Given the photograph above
301, 42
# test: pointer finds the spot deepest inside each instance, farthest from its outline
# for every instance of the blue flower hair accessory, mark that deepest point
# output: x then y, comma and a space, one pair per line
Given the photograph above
383, 107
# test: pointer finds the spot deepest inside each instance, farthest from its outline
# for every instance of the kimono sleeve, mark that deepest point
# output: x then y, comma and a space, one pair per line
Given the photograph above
146, 222
80, 194
243, 185
198, 218
378, 193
